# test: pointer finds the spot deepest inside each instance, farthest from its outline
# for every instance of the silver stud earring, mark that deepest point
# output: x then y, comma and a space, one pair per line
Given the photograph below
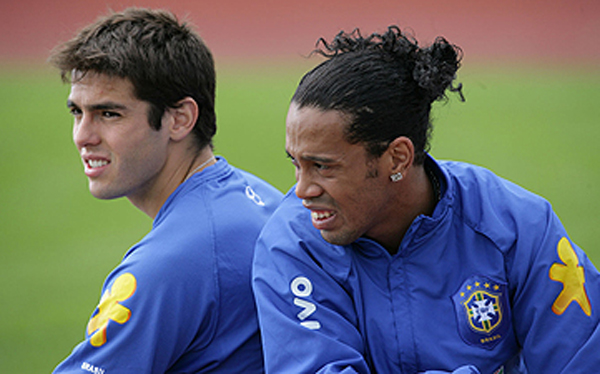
396, 177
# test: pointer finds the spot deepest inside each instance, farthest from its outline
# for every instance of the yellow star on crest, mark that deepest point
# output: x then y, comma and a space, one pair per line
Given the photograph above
109, 308
572, 277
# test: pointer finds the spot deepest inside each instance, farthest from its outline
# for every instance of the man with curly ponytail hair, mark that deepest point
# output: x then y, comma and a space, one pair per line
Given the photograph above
384, 260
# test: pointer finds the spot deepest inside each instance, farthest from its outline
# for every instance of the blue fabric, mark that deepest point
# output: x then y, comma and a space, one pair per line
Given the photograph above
478, 283
191, 308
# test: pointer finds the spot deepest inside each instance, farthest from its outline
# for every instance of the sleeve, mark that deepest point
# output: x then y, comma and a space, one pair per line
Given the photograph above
151, 308
555, 294
308, 323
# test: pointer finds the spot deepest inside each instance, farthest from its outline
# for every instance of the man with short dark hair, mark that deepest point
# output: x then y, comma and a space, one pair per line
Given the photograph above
410, 265
142, 99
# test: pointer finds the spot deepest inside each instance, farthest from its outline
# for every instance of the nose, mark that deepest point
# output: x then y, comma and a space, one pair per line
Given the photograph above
306, 187
85, 133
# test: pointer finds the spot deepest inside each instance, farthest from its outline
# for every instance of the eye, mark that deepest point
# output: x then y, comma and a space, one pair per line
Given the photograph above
109, 114
293, 160
74, 111
321, 166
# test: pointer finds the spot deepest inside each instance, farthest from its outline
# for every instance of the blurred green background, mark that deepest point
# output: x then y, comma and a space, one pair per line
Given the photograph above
531, 79
536, 127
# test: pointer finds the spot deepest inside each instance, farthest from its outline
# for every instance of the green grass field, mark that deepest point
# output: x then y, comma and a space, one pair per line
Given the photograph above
536, 127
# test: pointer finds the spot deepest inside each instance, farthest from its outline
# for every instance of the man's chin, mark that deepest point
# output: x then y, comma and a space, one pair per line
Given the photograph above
336, 238
103, 193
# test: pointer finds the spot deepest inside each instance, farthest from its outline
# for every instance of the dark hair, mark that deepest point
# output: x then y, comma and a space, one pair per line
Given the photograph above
165, 61
386, 83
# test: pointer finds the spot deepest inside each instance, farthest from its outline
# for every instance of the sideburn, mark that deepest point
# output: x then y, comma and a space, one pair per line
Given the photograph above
372, 171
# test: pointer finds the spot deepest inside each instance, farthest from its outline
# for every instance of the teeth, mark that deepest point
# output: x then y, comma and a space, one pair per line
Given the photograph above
97, 163
321, 215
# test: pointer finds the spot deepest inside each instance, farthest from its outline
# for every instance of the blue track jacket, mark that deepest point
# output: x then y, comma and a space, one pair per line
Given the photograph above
490, 283
180, 301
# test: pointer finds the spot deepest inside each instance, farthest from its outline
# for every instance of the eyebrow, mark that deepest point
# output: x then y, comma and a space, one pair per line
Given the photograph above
320, 160
100, 106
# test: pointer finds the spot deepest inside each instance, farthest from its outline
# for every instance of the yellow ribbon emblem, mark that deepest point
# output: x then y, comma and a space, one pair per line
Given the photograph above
572, 277
109, 308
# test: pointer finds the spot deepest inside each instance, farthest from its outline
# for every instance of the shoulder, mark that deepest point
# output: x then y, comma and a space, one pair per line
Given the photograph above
219, 200
475, 187
494, 206
224, 187
265, 190
289, 239
290, 222
243, 184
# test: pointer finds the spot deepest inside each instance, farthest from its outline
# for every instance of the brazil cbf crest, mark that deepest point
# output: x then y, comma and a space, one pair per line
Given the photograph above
482, 311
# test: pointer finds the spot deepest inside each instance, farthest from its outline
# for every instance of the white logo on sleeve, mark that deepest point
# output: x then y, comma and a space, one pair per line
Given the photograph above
254, 196
302, 287
92, 369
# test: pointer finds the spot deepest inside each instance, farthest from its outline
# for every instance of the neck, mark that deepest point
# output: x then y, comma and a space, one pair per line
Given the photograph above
194, 168
415, 197
179, 165
435, 185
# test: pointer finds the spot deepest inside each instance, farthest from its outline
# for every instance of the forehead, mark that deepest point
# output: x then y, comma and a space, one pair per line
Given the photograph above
314, 127
93, 86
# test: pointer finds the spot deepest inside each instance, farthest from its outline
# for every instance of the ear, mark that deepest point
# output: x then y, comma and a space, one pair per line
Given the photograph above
401, 153
181, 119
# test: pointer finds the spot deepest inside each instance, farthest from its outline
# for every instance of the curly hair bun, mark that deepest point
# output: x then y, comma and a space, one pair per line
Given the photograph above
436, 67
433, 68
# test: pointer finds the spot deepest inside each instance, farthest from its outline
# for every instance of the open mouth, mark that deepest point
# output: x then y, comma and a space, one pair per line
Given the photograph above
94, 167
323, 219
93, 164
321, 215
